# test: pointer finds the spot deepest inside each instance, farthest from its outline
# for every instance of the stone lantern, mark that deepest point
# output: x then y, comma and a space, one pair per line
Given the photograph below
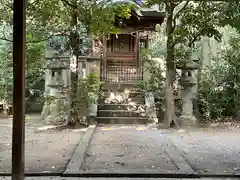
188, 81
57, 97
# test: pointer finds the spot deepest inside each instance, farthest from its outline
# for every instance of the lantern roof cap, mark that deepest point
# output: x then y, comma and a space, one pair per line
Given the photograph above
55, 64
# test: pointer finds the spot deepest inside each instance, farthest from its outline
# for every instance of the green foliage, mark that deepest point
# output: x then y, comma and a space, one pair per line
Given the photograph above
155, 83
35, 62
196, 20
230, 13
101, 20
74, 19
5, 72
47, 18
88, 93
220, 85
158, 45
186, 23
34, 71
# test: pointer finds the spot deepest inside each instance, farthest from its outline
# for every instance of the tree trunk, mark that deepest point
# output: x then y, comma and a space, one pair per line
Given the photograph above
169, 115
74, 40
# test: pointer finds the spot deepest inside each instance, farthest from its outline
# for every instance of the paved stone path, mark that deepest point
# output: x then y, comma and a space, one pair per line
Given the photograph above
133, 149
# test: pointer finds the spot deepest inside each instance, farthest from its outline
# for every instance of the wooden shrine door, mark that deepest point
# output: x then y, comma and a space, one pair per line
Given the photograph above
122, 66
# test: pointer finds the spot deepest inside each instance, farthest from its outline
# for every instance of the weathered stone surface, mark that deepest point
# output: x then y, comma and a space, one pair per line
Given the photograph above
187, 120
236, 116
80, 152
132, 149
122, 107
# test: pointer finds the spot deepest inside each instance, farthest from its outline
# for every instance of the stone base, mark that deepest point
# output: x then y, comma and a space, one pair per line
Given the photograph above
45, 111
187, 121
53, 120
91, 120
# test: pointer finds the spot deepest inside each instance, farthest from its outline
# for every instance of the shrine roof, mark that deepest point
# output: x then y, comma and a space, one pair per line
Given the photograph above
140, 11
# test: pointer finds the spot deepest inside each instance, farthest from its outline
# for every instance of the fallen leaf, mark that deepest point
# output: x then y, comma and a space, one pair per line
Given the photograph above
121, 163
119, 155
236, 169
87, 154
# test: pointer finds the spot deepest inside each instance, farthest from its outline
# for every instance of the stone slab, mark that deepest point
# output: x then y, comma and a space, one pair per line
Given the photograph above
79, 154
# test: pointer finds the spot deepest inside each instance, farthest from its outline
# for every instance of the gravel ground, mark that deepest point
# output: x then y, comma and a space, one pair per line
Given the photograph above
209, 151
47, 151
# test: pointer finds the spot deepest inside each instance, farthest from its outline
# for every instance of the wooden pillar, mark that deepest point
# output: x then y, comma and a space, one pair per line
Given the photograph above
137, 45
18, 133
112, 42
104, 57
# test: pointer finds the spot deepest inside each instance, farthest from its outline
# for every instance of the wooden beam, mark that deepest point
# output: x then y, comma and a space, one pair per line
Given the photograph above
137, 51
18, 130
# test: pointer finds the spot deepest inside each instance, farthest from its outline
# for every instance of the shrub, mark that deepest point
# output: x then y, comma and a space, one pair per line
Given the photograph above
219, 93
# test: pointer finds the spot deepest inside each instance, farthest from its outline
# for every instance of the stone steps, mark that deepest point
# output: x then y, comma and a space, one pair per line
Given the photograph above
120, 113
122, 101
121, 105
131, 95
122, 120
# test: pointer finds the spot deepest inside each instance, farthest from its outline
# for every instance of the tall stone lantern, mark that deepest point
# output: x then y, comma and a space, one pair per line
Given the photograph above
188, 81
57, 101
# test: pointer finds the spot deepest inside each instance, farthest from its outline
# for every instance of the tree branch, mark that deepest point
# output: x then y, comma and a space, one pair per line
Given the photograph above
178, 14
32, 5
35, 41
195, 37
198, 34
69, 4
5, 39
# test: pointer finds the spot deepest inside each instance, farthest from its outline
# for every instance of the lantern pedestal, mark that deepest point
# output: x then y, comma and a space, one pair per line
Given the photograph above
187, 118
188, 82
187, 121
54, 117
